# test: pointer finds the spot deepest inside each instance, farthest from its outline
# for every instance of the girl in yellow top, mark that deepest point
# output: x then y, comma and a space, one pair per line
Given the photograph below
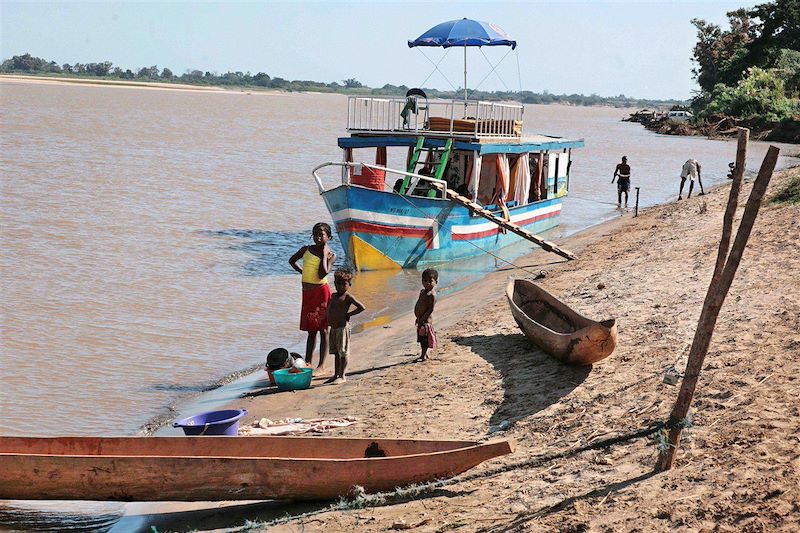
317, 261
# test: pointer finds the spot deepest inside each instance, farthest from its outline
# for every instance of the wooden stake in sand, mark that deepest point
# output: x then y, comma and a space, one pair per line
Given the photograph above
724, 272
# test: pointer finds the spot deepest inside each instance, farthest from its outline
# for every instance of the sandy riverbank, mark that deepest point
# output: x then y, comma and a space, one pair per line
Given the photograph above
126, 84
738, 466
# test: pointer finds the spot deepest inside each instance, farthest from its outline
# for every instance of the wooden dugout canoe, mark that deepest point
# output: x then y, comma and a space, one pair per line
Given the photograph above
225, 468
556, 328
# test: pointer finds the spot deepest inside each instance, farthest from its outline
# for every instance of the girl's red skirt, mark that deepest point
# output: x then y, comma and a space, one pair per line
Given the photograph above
314, 312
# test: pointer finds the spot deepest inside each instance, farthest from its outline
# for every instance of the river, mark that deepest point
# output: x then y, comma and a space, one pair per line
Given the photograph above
146, 233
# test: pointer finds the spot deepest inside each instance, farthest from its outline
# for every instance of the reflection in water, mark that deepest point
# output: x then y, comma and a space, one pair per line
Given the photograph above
268, 251
57, 516
385, 293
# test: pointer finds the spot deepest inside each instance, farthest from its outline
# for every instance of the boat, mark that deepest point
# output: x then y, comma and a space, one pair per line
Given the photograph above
556, 328
225, 468
470, 183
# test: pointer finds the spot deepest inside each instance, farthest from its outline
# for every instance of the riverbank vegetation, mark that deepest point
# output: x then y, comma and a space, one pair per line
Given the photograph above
30, 65
750, 73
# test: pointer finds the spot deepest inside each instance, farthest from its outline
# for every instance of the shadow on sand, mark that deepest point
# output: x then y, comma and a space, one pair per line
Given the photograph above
522, 518
532, 380
246, 514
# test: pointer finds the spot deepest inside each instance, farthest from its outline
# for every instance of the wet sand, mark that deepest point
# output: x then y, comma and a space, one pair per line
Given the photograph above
737, 469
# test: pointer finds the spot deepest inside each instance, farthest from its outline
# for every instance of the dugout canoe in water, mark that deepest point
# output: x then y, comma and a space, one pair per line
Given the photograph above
225, 468
556, 328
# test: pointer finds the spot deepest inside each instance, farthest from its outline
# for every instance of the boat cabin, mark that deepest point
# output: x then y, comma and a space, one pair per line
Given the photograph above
484, 157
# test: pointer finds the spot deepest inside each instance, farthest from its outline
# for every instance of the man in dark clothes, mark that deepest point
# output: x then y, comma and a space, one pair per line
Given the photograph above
623, 171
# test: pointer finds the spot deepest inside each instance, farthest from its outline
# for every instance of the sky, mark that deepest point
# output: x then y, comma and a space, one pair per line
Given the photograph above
637, 48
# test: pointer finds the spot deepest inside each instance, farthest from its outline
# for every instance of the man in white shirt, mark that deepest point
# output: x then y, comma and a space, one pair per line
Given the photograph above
690, 170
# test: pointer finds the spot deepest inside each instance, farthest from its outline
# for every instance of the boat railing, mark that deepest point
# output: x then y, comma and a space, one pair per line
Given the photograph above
346, 166
456, 118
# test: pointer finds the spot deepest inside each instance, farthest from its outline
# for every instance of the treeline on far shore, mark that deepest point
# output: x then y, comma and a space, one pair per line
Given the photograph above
750, 72
27, 64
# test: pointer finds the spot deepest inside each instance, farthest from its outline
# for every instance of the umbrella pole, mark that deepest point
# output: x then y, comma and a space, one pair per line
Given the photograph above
465, 79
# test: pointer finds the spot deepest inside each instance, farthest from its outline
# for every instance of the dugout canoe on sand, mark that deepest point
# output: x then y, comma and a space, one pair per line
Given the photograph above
558, 329
225, 468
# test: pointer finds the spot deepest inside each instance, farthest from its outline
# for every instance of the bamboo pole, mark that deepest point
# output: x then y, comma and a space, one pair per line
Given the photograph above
717, 291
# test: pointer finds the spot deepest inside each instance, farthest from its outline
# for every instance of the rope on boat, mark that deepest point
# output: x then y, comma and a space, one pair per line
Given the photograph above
360, 499
493, 70
436, 68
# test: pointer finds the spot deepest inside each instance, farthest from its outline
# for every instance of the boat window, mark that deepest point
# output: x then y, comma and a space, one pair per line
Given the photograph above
552, 167
458, 170
561, 174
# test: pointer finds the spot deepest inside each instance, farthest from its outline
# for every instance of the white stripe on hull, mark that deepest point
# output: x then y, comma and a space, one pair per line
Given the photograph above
381, 218
477, 228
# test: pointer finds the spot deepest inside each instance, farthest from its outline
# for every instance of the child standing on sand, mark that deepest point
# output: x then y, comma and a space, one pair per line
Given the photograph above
423, 310
317, 260
339, 314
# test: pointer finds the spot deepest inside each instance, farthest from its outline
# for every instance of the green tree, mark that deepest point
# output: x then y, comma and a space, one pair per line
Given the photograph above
352, 83
279, 83
261, 80
149, 73
787, 68
718, 54
779, 30
759, 97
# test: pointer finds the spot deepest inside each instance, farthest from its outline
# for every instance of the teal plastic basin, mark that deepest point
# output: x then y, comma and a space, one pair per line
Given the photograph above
286, 380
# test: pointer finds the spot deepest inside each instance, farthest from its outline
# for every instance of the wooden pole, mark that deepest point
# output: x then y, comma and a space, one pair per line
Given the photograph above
733, 200
636, 208
717, 291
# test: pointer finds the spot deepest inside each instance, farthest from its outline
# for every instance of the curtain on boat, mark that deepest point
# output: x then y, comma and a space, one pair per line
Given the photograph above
503, 178
521, 179
475, 176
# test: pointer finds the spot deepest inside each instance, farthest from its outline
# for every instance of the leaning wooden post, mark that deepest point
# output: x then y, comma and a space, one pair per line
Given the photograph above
733, 200
717, 291
636, 208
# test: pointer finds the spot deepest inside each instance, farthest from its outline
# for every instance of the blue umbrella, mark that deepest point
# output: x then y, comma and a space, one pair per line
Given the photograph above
464, 32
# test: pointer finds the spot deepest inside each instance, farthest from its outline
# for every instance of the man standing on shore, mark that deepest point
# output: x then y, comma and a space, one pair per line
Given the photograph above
623, 171
691, 170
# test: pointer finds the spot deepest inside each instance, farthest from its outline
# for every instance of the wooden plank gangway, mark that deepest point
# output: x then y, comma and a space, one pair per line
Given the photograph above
505, 224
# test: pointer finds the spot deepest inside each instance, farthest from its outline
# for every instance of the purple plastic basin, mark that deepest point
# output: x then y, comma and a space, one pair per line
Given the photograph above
212, 423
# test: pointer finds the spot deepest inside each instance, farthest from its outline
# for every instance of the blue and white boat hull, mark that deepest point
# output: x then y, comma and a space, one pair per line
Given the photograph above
382, 230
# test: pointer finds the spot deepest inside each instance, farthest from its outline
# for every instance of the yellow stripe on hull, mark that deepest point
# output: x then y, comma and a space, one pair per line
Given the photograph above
367, 257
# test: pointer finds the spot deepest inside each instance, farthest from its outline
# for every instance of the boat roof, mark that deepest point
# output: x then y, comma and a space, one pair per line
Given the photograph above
484, 145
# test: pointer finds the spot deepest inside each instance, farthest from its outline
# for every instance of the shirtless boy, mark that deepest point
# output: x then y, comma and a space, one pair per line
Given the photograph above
623, 171
339, 314
423, 310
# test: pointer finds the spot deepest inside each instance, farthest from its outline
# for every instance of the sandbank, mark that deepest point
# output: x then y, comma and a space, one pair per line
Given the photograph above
130, 84
738, 468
